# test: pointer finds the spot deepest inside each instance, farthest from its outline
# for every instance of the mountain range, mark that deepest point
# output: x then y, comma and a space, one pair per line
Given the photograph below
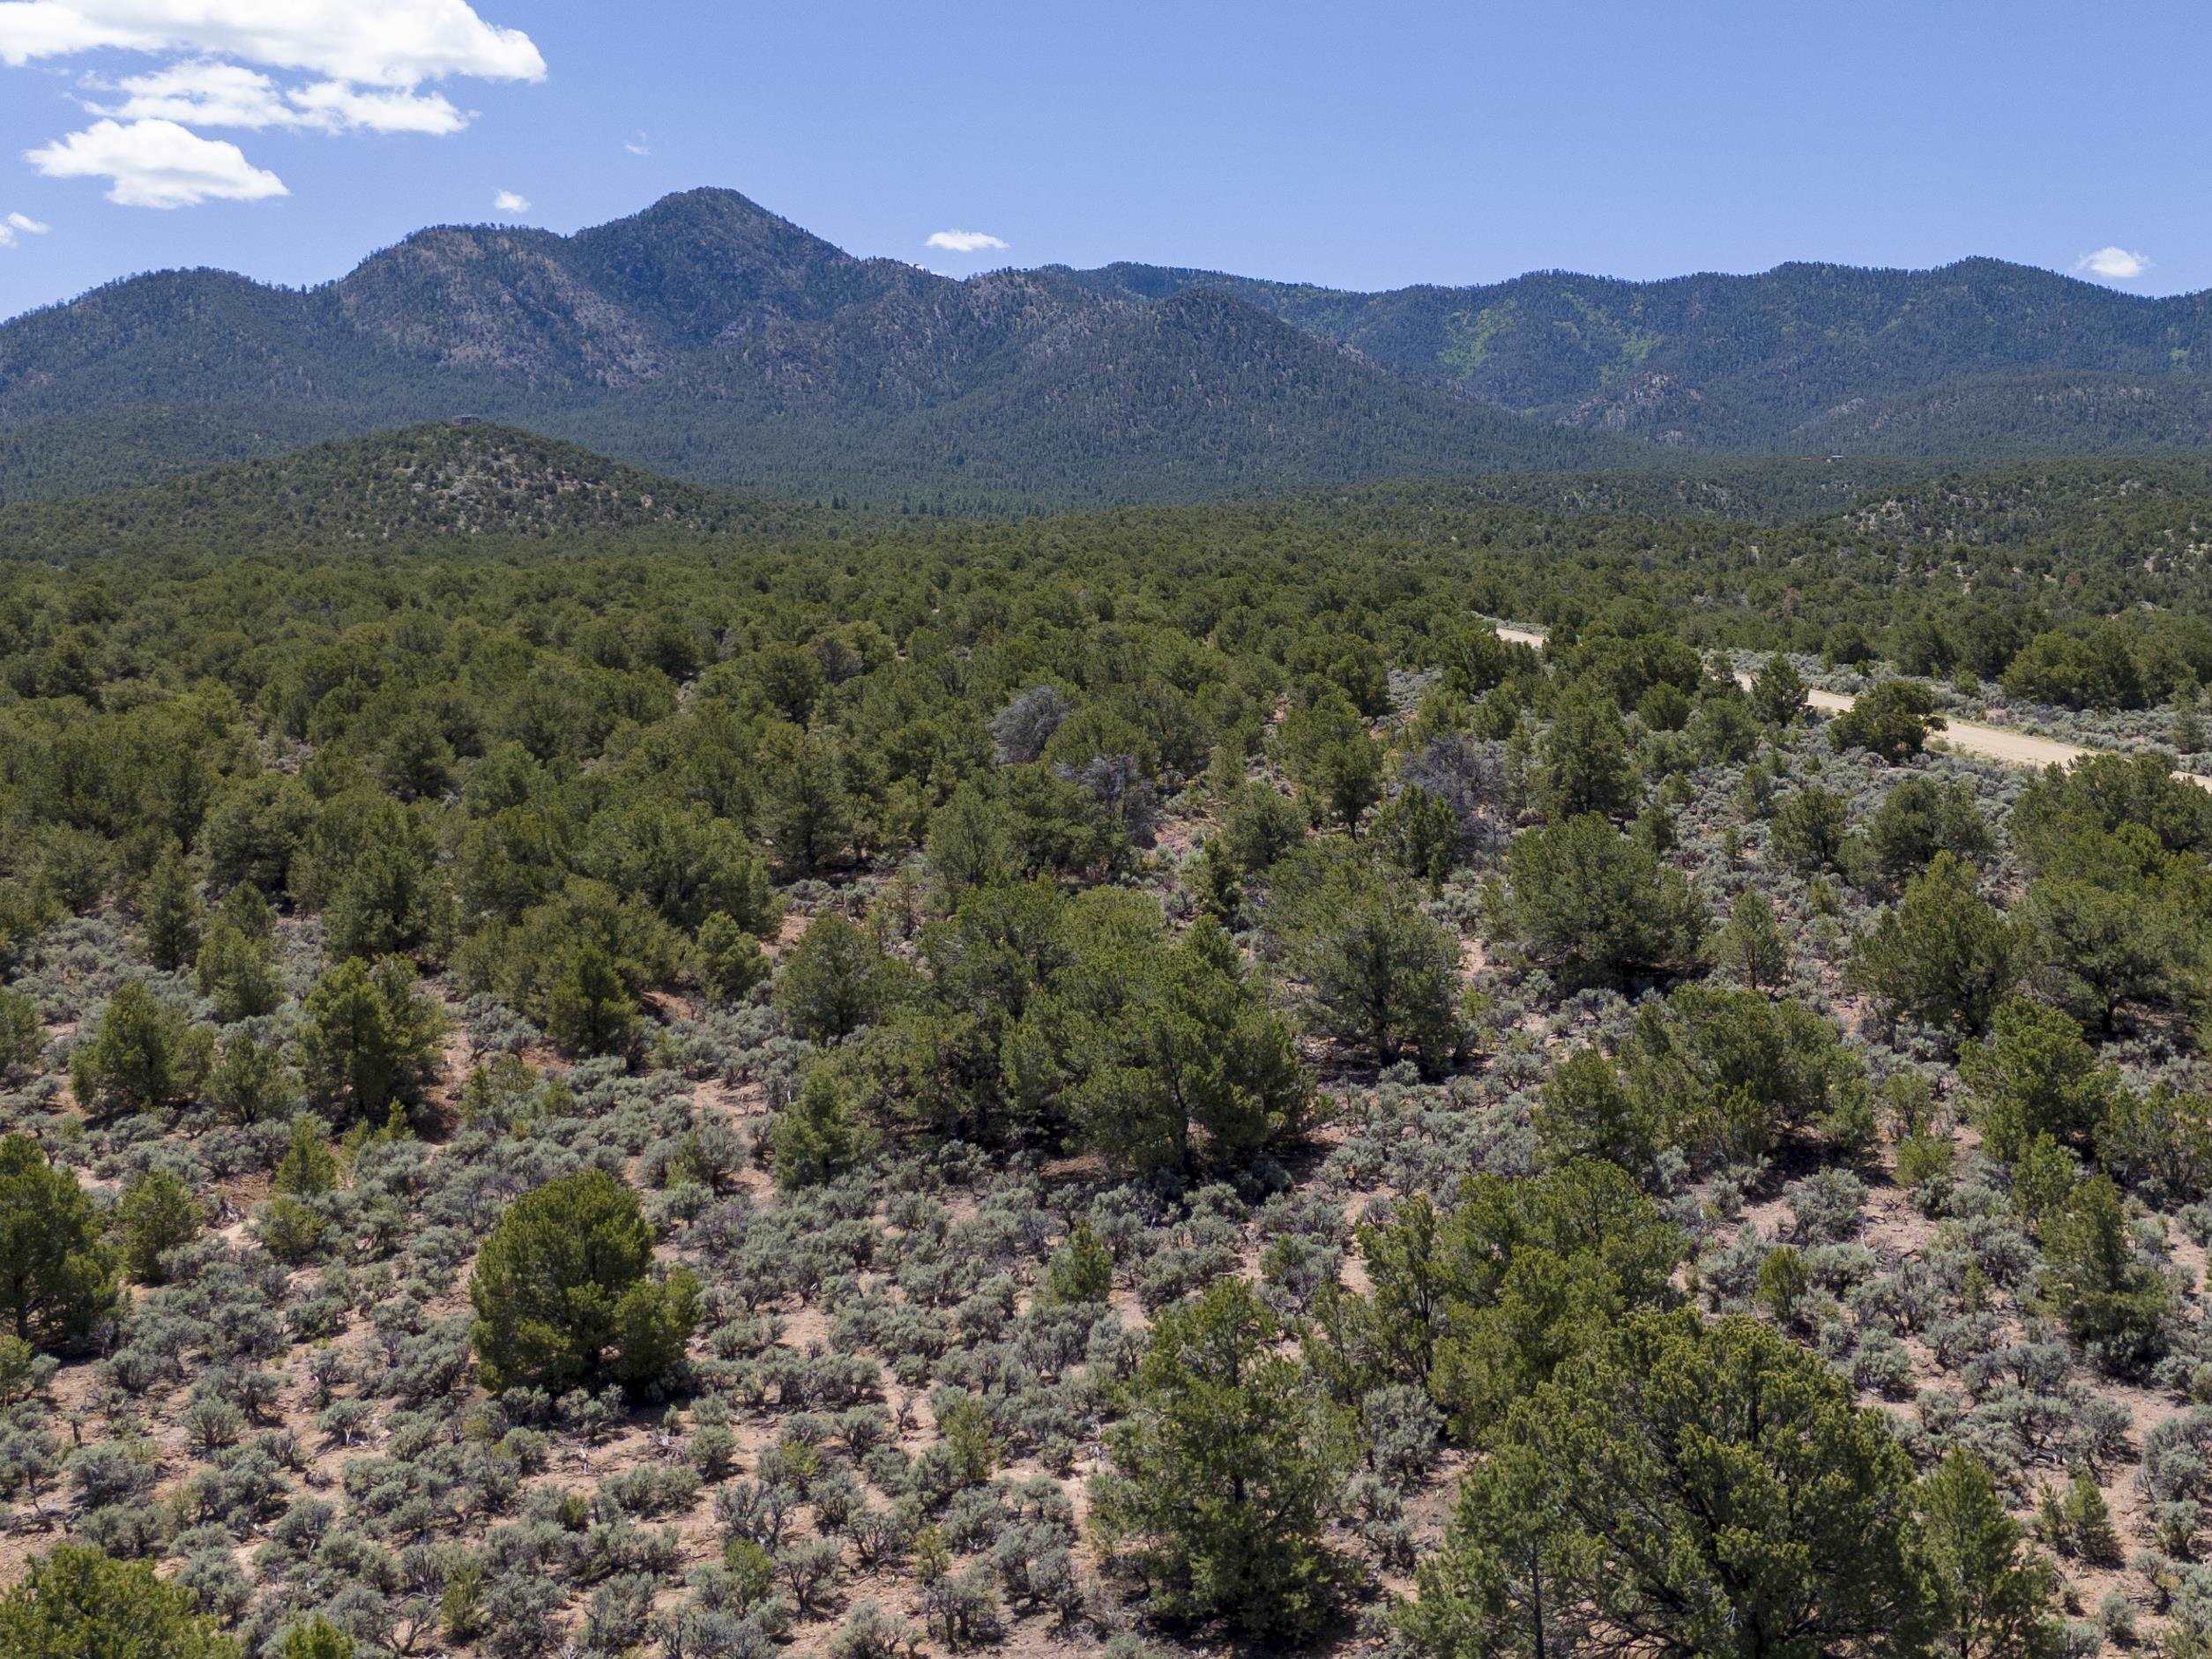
708, 338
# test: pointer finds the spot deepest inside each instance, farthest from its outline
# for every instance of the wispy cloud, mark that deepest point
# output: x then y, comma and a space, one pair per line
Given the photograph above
636, 145
156, 164
510, 201
15, 227
2114, 264
203, 93
965, 241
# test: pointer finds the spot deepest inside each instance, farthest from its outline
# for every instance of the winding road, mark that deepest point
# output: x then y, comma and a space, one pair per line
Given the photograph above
1992, 742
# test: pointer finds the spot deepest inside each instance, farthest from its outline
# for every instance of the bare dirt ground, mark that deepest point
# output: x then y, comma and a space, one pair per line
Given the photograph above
1992, 742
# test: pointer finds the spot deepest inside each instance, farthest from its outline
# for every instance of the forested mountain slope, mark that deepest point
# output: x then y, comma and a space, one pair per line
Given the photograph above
708, 337
423, 483
1977, 358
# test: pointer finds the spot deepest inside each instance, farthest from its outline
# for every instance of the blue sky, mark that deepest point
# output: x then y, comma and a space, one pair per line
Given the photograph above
1364, 146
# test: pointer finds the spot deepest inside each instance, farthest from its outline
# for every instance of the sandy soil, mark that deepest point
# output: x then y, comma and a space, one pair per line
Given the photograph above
1992, 742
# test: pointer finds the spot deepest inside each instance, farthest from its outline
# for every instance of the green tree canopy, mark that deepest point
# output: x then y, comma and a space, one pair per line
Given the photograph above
563, 1292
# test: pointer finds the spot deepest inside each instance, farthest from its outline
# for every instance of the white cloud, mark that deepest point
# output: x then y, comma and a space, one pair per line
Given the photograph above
207, 94
2114, 264
638, 145
15, 227
338, 66
964, 241
211, 94
398, 43
508, 202
333, 104
156, 164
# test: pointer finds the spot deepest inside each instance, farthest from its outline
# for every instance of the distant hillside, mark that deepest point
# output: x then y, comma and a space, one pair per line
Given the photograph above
426, 484
1980, 358
708, 338
2088, 509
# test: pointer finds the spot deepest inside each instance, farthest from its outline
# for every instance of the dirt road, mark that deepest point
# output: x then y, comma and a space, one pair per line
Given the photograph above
1992, 742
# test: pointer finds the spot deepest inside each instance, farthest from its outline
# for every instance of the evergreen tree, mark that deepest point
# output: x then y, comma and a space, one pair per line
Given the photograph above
370, 1040
156, 1214
1993, 1592
820, 1134
1749, 947
1893, 720
1777, 691
1226, 1469
836, 979
1594, 907
1585, 758
2115, 1306
2033, 1075
55, 1279
144, 1056
1385, 977
78, 1603
1942, 954
588, 1010
170, 911
563, 1294
1687, 1489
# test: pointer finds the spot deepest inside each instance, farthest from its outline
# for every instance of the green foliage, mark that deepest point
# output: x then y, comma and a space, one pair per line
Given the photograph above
563, 1295
1173, 1059
1994, 1591
1778, 693
731, 962
1225, 1471
76, 1602
2076, 1521
587, 1007
1714, 1074
1327, 751
309, 1168
2158, 1141
1418, 833
1262, 826
250, 1081
156, 1213
2033, 1075
317, 1639
1749, 947
170, 911
145, 1055
1809, 828
370, 1040
1942, 954
1894, 720
822, 1134
1596, 907
1583, 761
2112, 1304
1081, 1271
22, 1033
55, 1279
1385, 977
1594, 1511
236, 970
836, 979
1481, 1303
1919, 819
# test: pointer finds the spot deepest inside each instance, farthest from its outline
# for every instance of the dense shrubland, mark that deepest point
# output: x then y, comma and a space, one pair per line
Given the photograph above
1115, 1084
